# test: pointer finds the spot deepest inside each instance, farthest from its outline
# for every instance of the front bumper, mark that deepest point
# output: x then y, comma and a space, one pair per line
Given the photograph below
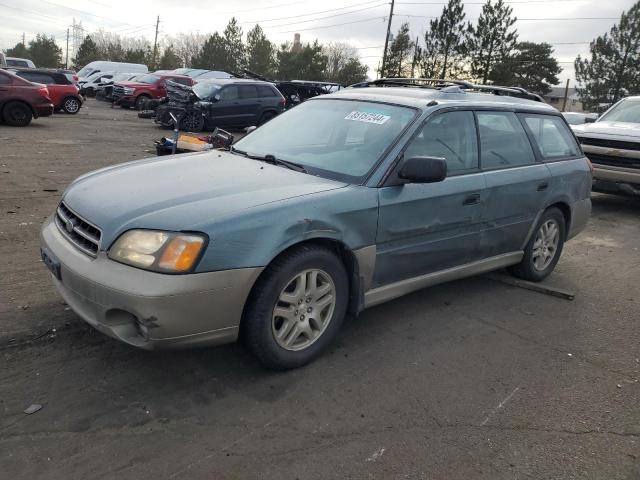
616, 179
125, 101
145, 309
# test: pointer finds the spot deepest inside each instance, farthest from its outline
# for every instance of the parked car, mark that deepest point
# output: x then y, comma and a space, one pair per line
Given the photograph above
347, 201
64, 94
146, 87
232, 102
612, 144
19, 62
104, 89
104, 66
89, 86
21, 101
579, 118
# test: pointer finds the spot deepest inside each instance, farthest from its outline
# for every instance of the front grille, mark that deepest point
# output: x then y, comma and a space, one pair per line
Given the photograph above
613, 161
603, 142
84, 235
118, 91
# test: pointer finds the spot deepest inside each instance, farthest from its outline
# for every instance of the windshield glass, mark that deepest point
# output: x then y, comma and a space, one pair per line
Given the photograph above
339, 139
625, 111
206, 90
150, 79
85, 72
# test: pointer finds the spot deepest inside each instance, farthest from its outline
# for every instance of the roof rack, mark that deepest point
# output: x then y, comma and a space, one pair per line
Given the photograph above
442, 83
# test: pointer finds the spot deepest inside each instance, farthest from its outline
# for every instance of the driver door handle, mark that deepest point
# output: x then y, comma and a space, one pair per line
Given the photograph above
471, 199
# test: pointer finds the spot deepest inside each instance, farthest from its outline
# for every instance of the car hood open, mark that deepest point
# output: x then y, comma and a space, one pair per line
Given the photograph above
183, 191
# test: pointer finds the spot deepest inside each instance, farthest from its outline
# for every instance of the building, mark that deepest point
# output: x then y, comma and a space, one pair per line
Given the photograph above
556, 98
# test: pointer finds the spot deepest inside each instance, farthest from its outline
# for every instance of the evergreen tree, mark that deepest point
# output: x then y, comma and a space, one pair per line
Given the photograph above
169, 59
44, 51
87, 53
213, 55
531, 66
613, 70
19, 50
235, 51
445, 40
491, 40
260, 52
400, 54
307, 63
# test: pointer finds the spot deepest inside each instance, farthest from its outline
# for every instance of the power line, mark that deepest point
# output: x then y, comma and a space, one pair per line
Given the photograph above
482, 3
312, 13
524, 19
331, 26
328, 16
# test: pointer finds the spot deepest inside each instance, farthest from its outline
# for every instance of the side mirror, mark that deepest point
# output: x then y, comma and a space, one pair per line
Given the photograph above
216, 97
590, 120
423, 170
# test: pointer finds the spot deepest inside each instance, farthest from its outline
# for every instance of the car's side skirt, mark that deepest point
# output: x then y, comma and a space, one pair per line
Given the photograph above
385, 293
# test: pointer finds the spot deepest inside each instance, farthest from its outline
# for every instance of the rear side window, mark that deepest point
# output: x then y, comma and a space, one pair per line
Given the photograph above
552, 136
38, 77
503, 141
264, 91
248, 91
17, 63
4, 80
450, 135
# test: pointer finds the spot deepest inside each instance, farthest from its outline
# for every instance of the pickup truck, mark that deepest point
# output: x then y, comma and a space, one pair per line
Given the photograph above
148, 86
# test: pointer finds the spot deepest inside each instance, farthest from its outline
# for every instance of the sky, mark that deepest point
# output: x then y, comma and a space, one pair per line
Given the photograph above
569, 25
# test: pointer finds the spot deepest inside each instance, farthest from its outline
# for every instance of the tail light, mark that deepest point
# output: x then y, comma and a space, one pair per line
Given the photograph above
44, 91
283, 102
75, 78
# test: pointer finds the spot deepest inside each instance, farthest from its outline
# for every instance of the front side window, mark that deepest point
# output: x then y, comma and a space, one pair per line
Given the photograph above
503, 141
626, 111
229, 93
552, 136
450, 135
206, 90
341, 139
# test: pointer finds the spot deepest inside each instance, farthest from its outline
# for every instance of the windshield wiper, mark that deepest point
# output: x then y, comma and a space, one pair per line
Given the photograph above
272, 159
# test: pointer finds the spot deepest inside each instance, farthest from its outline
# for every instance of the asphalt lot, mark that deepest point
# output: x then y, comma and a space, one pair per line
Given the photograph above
473, 379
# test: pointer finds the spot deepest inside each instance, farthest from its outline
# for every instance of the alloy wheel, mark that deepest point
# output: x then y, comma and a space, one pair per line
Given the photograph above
545, 245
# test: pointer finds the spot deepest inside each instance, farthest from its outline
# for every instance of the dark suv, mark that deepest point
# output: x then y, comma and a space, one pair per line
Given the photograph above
21, 100
224, 103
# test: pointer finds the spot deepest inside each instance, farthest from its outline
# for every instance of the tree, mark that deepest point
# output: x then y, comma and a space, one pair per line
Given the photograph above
446, 40
306, 63
19, 50
187, 46
260, 52
236, 55
87, 53
170, 60
613, 70
44, 51
400, 54
531, 66
492, 40
343, 64
213, 54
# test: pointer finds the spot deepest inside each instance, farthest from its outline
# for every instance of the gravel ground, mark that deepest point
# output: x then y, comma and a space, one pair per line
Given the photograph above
473, 379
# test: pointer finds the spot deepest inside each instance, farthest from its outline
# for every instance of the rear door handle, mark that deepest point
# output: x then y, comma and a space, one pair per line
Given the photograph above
543, 186
472, 199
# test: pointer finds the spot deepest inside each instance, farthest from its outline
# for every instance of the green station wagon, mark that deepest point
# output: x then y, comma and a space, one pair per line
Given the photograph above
342, 203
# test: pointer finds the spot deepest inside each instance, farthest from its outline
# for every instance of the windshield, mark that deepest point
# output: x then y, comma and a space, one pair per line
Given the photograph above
575, 119
339, 139
85, 72
150, 79
625, 111
206, 90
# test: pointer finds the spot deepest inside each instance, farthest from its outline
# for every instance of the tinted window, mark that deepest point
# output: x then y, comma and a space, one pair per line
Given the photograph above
17, 63
265, 91
248, 91
182, 81
503, 141
451, 136
229, 93
37, 77
552, 136
4, 80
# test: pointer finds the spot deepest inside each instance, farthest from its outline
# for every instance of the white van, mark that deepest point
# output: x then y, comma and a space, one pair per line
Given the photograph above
113, 67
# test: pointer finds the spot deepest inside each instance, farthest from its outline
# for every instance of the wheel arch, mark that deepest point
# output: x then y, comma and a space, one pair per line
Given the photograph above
18, 100
564, 207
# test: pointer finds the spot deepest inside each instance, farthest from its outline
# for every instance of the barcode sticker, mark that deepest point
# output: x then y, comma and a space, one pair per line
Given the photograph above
367, 117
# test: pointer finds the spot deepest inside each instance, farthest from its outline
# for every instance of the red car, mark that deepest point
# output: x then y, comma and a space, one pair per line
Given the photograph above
21, 100
148, 86
64, 93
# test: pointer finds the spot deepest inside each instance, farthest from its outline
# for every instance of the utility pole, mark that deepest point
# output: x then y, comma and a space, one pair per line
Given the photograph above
24, 41
415, 58
386, 40
66, 58
155, 43
566, 94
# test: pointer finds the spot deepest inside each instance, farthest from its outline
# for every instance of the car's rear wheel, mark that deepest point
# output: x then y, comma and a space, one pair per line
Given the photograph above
192, 122
17, 114
141, 100
71, 105
296, 307
265, 117
544, 248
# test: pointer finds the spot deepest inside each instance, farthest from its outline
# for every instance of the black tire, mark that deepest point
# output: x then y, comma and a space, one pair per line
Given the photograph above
256, 327
265, 117
90, 92
147, 114
71, 105
192, 122
141, 100
527, 269
17, 114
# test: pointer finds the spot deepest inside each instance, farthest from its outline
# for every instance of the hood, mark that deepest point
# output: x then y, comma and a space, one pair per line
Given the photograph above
604, 128
184, 191
132, 84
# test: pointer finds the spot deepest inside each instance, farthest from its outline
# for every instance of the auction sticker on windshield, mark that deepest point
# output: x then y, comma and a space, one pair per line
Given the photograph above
367, 117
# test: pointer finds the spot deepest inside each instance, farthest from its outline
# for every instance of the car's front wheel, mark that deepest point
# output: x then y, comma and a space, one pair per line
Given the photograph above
296, 308
544, 248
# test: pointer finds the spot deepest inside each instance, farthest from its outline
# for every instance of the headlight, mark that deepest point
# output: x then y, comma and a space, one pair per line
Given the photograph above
129, 91
158, 251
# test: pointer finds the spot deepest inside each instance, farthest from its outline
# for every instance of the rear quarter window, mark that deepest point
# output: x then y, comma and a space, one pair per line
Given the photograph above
552, 136
265, 91
5, 80
38, 77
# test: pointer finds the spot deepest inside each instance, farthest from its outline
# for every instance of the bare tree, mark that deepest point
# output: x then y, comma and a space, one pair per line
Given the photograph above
186, 46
